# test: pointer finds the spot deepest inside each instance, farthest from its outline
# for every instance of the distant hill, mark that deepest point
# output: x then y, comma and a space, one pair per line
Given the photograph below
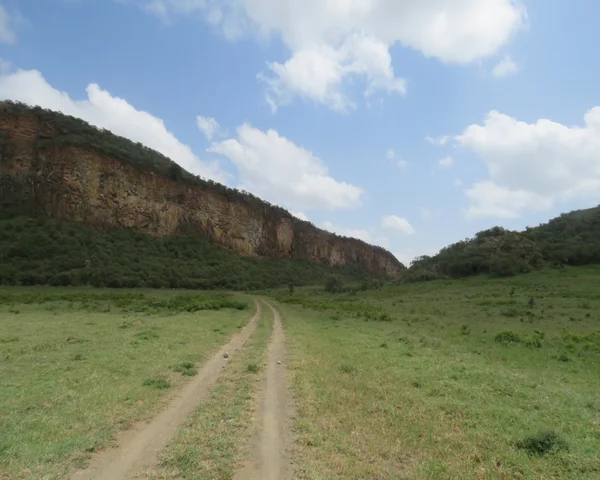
570, 239
56, 166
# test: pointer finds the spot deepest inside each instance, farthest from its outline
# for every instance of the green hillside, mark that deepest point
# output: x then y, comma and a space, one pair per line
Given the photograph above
570, 239
39, 251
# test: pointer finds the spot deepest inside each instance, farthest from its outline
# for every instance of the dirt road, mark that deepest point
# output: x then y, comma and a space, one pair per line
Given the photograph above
138, 448
271, 442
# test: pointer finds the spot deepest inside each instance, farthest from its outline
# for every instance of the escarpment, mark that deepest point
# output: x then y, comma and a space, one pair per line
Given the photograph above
64, 168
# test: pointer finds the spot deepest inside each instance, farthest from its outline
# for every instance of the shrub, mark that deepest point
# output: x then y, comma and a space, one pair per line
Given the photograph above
187, 369
347, 368
158, 383
334, 285
533, 342
253, 367
542, 443
507, 336
465, 330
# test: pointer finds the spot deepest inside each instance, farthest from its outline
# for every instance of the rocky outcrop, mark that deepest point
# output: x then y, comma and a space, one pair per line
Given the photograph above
43, 168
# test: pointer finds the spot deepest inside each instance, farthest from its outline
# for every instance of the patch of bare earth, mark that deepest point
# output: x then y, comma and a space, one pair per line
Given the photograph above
138, 448
271, 442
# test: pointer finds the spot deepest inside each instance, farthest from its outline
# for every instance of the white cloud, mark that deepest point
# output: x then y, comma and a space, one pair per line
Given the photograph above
398, 225
402, 165
490, 200
333, 42
438, 141
103, 110
7, 33
406, 256
300, 215
275, 168
446, 162
5, 66
532, 166
208, 126
505, 68
362, 234
391, 154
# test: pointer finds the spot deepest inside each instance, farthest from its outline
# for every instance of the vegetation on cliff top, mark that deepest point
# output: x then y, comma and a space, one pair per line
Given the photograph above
40, 251
570, 239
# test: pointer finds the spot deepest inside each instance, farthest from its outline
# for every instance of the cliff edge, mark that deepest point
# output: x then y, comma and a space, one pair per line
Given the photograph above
67, 169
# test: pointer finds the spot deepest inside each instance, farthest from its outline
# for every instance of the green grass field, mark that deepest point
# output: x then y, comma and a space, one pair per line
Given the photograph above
78, 365
449, 380
472, 379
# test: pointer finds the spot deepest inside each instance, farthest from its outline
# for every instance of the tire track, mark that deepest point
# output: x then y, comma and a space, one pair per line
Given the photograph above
138, 448
272, 440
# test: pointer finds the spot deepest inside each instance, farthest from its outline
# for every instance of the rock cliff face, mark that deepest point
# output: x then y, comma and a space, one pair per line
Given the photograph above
43, 169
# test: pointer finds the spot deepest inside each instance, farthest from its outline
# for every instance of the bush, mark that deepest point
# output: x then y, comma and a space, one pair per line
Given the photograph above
507, 336
253, 367
334, 284
533, 342
158, 383
465, 330
187, 369
542, 443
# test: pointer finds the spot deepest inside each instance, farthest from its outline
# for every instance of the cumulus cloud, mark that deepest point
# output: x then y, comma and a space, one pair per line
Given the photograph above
532, 165
366, 235
446, 162
391, 154
7, 33
103, 110
505, 67
397, 225
275, 168
332, 42
208, 126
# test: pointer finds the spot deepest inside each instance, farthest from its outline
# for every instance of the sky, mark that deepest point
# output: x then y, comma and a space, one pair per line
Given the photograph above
410, 124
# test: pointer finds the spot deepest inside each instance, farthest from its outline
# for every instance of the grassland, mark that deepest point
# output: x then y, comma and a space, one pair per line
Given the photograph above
215, 438
78, 365
467, 379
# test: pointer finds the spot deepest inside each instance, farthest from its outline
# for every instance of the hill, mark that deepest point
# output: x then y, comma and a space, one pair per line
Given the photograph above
570, 239
63, 168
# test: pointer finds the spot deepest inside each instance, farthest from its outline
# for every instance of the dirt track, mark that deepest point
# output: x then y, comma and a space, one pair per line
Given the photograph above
271, 441
138, 448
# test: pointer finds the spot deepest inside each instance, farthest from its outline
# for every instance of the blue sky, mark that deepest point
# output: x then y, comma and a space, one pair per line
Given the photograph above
410, 124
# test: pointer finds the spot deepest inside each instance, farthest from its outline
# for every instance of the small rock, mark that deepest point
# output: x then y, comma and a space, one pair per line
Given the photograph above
278, 362
225, 355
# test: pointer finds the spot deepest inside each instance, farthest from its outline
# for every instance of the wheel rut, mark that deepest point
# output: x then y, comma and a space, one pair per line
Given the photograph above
138, 448
271, 443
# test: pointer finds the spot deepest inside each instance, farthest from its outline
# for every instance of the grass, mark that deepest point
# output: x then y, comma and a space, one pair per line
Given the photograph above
77, 365
473, 383
214, 439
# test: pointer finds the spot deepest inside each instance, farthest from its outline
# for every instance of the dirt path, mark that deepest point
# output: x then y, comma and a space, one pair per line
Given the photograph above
138, 447
272, 440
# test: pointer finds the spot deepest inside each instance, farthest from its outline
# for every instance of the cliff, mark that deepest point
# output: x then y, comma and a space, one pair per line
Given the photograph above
69, 170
